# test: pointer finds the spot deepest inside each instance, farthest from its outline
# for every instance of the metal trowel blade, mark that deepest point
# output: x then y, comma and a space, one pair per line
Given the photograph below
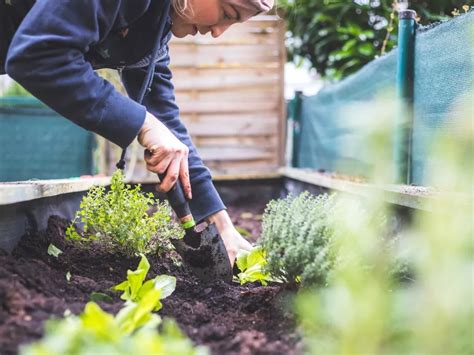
209, 260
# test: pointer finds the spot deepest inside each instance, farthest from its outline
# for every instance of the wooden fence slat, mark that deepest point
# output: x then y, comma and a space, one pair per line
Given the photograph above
235, 153
216, 126
236, 106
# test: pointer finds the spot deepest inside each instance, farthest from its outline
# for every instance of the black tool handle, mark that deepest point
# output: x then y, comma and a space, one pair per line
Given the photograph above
177, 200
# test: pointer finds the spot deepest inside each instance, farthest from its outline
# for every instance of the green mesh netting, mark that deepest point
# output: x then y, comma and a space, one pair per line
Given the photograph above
334, 137
37, 143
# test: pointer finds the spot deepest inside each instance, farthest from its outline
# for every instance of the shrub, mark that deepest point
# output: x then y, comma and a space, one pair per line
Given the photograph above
296, 238
119, 221
338, 37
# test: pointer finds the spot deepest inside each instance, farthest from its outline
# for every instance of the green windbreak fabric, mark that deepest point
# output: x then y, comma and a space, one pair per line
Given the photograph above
444, 82
334, 132
37, 143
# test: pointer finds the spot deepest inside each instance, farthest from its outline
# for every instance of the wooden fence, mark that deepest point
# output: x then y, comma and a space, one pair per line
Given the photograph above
230, 93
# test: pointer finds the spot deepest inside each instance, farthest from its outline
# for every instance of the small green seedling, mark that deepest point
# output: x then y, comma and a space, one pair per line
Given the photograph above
252, 265
68, 276
135, 287
54, 250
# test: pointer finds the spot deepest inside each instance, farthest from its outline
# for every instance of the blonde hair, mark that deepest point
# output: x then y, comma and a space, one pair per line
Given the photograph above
179, 6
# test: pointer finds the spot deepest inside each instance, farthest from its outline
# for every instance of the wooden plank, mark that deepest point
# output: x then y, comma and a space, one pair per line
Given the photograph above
230, 65
235, 153
16, 192
282, 102
268, 142
237, 106
249, 86
408, 196
221, 79
206, 55
246, 125
247, 166
250, 96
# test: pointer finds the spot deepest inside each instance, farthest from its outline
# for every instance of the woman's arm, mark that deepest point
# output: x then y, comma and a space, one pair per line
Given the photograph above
46, 57
161, 103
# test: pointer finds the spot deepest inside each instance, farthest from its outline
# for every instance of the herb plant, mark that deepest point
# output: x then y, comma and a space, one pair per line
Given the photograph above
118, 219
296, 238
135, 287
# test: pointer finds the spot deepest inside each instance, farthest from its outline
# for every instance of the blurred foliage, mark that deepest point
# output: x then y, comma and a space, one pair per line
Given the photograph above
364, 310
131, 331
338, 37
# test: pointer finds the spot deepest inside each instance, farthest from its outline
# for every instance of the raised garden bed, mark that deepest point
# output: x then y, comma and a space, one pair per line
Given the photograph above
230, 319
227, 318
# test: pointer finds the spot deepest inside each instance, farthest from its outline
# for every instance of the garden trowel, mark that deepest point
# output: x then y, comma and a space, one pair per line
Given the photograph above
202, 248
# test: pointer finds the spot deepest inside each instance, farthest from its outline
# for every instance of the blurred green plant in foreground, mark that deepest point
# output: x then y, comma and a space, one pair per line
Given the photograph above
364, 310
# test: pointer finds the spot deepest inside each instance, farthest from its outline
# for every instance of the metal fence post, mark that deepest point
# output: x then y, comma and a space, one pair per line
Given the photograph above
404, 84
296, 128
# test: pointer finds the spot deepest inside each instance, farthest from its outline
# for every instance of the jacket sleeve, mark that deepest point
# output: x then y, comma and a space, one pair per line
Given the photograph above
160, 101
46, 57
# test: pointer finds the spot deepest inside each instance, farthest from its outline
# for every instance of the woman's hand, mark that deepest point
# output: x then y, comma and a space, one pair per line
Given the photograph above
165, 154
233, 241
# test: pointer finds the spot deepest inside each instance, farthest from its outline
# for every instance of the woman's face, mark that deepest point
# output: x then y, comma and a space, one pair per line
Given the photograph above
205, 16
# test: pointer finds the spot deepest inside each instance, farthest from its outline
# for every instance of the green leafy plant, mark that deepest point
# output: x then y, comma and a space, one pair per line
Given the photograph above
252, 266
338, 37
119, 219
296, 238
135, 287
131, 331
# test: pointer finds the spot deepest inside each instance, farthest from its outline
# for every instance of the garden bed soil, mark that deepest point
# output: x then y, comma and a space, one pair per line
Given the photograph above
229, 319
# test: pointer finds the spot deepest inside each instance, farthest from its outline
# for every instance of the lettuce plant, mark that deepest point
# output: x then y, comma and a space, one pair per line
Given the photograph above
135, 288
132, 330
252, 266
119, 219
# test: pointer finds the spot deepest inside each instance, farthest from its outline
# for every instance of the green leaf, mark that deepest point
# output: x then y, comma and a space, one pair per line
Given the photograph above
54, 251
100, 297
135, 315
252, 264
166, 284
134, 288
68, 276
101, 323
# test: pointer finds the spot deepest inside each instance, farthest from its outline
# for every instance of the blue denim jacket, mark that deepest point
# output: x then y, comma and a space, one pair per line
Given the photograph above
58, 45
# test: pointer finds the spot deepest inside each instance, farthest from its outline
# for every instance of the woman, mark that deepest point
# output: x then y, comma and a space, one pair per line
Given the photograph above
51, 47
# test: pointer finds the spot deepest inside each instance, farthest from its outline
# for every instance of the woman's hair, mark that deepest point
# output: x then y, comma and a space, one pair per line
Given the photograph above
179, 5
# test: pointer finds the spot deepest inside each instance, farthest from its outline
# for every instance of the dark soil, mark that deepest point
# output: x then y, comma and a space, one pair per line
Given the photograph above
230, 319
